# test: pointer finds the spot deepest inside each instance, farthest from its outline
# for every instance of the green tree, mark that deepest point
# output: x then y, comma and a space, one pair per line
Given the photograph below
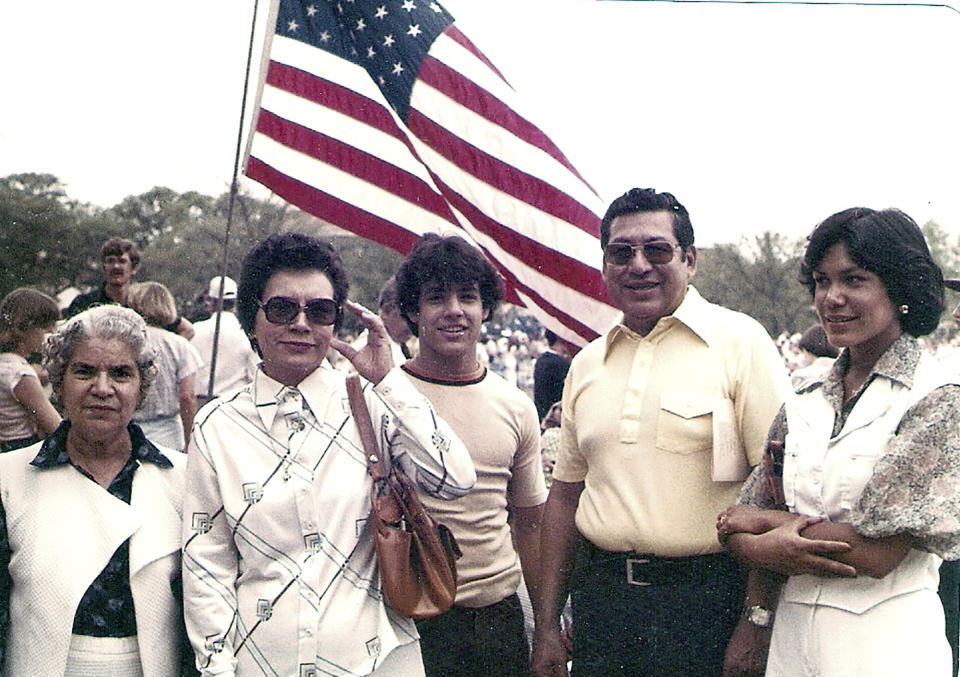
758, 277
47, 240
944, 251
183, 237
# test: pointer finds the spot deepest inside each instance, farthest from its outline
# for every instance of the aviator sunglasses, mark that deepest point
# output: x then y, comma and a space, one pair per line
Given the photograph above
622, 253
284, 310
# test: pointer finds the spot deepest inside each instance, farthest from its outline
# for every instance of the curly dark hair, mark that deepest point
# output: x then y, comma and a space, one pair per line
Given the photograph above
449, 261
890, 245
287, 251
638, 200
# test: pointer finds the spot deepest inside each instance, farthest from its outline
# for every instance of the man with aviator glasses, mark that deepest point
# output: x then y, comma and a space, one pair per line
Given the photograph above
662, 419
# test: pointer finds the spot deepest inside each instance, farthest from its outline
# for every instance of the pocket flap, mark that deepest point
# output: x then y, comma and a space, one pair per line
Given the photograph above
686, 405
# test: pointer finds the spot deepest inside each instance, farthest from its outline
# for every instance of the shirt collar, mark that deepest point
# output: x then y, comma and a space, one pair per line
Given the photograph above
53, 451
694, 313
266, 391
898, 363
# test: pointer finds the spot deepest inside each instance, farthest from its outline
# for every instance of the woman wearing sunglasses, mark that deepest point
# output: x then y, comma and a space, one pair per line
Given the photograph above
280, 575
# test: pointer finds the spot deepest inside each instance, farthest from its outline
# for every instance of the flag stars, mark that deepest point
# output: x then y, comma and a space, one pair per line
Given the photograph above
311, 10
361, 24
398, 68
292, 26
381, 12
409, 5
371, 52
382, 80
436, 8
325, 36
414, 30
388, 41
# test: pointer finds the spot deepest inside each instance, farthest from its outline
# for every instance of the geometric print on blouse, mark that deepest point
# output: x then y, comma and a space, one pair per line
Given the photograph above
295, 430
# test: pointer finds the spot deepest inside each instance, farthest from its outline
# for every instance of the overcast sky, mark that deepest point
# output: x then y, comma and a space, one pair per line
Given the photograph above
757, 116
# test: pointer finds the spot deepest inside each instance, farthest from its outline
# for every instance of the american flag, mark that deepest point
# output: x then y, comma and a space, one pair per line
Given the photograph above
382, 118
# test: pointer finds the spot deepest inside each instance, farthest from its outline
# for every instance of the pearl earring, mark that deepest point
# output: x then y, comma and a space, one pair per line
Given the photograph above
904, 309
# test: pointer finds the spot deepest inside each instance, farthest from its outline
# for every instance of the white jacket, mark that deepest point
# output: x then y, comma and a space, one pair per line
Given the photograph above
824, 477
63, 529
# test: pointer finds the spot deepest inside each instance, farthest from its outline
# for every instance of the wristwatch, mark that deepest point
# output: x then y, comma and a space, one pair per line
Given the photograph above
758, 616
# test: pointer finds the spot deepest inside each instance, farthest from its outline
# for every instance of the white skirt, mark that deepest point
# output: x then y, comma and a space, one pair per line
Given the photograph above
900, 636
103, 657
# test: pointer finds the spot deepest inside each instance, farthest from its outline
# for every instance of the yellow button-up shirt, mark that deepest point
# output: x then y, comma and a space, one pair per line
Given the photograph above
638, 425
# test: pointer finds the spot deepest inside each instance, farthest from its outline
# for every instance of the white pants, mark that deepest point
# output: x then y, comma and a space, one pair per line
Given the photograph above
103, 657
901, 636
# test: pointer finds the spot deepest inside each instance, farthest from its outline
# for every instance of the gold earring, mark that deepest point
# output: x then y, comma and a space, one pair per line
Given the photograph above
904, 309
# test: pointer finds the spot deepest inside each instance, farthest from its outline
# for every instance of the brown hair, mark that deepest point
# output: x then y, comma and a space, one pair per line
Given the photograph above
24, 309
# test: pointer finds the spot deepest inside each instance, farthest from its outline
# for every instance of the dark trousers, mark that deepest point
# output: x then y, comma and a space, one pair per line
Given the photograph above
481, 642
657, 617
950, 597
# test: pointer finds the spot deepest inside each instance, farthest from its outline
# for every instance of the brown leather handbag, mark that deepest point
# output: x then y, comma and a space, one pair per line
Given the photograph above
415, 554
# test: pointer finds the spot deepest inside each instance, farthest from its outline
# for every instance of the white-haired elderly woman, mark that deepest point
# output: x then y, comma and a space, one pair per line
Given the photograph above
90, 518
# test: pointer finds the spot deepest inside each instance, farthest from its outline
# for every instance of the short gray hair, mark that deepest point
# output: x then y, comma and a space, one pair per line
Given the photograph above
105, 323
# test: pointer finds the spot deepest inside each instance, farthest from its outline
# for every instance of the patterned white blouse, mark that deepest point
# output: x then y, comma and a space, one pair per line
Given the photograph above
280, 574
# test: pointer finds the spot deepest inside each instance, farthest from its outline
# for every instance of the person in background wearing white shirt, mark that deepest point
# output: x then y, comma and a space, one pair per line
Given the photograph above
236, 361
166, 413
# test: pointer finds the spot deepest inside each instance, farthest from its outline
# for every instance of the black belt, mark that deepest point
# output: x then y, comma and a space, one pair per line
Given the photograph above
643, 570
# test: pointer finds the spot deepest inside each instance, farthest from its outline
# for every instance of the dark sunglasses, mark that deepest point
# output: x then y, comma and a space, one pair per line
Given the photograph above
284, 310
622, 253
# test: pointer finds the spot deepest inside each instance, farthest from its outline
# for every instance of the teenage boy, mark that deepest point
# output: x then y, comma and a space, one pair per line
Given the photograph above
447, 290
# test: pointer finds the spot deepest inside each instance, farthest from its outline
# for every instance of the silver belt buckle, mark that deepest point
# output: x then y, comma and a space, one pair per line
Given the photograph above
631, 579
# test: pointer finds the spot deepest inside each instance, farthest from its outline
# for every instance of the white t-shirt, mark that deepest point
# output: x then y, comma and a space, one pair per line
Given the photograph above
175, 360
15, 424
236, 361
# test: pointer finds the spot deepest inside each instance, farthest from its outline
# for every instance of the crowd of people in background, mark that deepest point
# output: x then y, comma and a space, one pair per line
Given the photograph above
214, 503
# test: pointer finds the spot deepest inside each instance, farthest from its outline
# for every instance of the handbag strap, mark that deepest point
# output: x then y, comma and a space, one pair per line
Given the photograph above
361, 416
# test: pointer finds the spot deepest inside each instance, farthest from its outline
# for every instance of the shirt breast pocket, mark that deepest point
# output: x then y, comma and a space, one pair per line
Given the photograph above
685, 422
856, 472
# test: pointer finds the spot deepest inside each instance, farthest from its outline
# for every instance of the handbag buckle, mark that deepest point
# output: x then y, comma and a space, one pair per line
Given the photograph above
632, 578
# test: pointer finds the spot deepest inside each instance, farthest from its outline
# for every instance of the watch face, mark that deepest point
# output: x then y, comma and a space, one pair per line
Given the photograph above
759, 616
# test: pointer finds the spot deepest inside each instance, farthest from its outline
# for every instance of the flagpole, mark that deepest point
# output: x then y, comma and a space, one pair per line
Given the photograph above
231, 200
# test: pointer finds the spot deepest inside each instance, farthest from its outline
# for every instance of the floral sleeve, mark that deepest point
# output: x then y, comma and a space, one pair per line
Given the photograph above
756, 489
915, 486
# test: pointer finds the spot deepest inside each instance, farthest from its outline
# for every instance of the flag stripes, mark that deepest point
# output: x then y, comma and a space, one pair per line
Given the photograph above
460, 156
